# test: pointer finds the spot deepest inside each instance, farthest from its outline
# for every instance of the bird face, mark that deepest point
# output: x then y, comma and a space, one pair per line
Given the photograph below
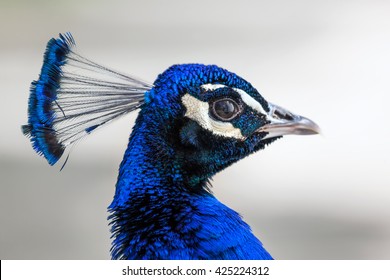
219, 117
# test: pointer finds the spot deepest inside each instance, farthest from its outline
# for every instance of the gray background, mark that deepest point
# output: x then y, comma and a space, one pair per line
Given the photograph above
318, 197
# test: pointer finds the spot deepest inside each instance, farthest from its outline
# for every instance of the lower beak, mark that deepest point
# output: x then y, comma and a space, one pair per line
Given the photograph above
283, 122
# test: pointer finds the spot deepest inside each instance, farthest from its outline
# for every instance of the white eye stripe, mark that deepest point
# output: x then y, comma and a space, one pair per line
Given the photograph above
199, 111
212, 86
250, 101
245, 97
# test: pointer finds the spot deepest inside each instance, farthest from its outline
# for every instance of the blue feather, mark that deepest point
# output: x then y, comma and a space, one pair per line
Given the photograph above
73, 97
42, 94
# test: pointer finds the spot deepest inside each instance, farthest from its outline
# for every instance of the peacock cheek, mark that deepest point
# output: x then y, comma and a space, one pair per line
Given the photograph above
189, 135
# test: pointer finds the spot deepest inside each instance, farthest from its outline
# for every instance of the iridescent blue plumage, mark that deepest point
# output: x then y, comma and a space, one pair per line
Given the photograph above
195, 120
74, 96
43, 93
162, 209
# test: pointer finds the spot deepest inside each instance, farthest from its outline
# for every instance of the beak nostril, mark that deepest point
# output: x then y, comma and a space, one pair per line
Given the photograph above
289, 117
284, 116
277, 115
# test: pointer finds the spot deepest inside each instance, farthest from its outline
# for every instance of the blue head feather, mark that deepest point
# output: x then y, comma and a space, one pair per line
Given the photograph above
43, 93
71, 100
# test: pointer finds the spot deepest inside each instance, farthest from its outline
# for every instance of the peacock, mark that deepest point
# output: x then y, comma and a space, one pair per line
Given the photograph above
194, 121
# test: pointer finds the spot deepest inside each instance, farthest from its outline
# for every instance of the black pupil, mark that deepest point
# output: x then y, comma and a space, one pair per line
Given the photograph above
225, 109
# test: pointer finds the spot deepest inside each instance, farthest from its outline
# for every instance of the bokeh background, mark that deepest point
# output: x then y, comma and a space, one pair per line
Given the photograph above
317, 197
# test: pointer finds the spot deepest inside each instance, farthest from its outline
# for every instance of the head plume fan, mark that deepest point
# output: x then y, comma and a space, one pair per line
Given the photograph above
74, 96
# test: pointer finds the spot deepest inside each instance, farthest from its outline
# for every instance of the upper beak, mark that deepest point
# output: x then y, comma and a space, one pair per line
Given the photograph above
283, 122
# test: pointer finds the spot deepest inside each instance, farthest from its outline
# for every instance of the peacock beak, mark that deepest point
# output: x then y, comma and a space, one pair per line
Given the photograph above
283, 122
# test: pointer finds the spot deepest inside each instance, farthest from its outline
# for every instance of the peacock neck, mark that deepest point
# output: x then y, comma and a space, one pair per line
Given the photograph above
159, 212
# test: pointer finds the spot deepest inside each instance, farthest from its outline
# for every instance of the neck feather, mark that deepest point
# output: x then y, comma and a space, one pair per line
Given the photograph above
157, 214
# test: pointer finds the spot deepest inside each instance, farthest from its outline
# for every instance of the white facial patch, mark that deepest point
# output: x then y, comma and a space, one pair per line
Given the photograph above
245, 97
199, 111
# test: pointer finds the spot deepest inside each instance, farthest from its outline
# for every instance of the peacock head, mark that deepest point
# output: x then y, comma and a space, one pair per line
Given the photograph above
204, 117
212, 118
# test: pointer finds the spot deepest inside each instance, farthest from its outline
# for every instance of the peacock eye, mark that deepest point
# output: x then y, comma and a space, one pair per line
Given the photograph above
225, 109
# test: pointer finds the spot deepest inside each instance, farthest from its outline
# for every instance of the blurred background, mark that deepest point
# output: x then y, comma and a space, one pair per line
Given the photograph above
317, 197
